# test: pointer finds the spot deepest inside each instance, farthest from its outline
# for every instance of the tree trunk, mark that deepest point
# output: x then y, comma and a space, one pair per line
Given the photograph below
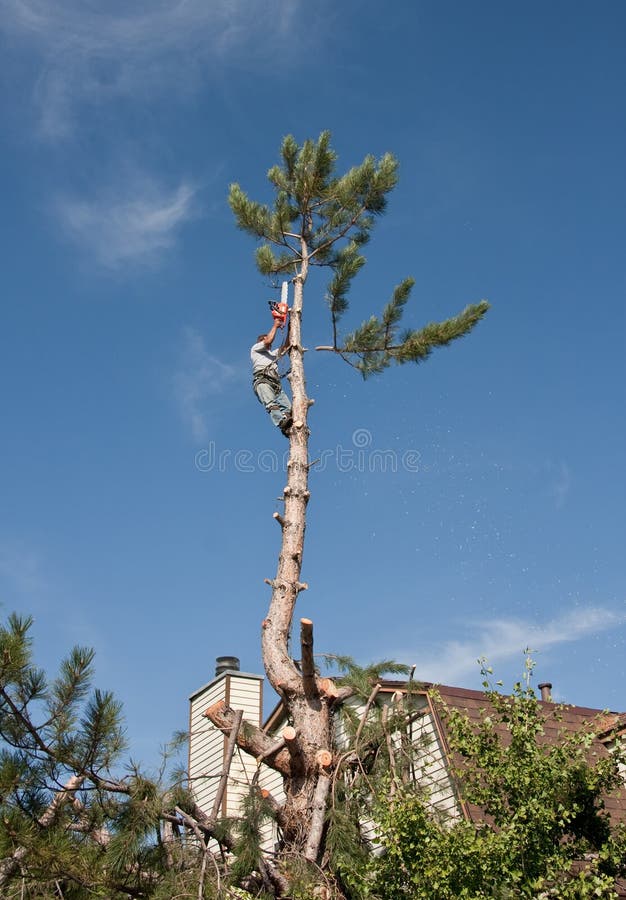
307, 708
308, 698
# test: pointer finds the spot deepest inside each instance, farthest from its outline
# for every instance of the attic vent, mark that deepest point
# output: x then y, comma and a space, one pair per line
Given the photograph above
226, 663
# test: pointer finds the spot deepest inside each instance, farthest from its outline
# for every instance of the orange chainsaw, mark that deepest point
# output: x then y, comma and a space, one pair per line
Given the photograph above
279, 312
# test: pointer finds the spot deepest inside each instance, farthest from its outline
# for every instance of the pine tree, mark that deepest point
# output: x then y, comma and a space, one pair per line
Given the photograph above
68, 827
319, 219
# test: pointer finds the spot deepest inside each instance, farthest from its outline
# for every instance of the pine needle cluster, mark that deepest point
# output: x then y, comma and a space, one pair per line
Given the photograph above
321, 219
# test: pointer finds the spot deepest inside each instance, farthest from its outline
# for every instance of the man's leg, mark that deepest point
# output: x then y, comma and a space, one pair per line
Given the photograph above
277, 404
283, 403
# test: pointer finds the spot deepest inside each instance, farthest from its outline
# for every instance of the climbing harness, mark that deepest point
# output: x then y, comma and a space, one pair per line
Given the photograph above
263, 376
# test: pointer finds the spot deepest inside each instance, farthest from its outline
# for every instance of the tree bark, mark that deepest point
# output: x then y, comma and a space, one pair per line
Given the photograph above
318, 816
308, 709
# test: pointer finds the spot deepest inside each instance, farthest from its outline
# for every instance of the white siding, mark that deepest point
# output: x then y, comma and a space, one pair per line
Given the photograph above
272, 781
430, 768
207, 744
245, 694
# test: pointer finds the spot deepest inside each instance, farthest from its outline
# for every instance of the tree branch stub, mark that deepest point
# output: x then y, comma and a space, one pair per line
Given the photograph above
307, 662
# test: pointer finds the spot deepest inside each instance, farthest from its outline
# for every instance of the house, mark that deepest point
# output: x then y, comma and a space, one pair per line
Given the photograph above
427, 729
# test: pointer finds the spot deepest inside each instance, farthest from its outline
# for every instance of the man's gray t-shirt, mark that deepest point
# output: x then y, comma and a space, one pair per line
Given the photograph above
264, 360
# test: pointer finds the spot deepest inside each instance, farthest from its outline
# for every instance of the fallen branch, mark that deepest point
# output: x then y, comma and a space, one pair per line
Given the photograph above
251, 738
230, 749
192, 824
274, 748
368, 706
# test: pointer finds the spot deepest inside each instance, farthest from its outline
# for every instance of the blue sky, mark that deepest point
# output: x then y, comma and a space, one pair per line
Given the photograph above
129, 302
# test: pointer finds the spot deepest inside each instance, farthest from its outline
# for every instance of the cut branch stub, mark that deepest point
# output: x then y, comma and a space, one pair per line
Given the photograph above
327, 688
307, 662
273, 802
324, 758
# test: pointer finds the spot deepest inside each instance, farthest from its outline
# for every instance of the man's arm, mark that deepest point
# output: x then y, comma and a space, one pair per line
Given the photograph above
269, 337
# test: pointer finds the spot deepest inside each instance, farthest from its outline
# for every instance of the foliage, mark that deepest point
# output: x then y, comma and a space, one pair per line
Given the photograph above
545, 833
321, 219
248, 855
68, 827
374, 762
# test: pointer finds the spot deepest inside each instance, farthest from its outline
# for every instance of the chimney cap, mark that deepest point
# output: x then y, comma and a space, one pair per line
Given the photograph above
225, 664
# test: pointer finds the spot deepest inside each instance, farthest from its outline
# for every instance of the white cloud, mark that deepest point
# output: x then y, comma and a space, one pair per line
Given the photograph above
200, 379
86, 56
130, 223
503, 639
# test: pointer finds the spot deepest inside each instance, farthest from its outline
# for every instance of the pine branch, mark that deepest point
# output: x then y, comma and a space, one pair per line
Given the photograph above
23, 718
9, 865
371, 342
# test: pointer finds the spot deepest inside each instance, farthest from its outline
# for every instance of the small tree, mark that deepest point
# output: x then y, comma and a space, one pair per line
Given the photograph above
543, 832
318, 219
68, 827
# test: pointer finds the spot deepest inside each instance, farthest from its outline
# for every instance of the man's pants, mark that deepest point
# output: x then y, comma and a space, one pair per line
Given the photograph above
275, 402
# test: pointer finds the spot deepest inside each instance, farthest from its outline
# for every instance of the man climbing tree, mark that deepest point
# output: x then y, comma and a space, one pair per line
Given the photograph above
318, 219
266, 381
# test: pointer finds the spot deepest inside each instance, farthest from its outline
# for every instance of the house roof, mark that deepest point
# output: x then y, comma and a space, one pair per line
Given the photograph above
560, 720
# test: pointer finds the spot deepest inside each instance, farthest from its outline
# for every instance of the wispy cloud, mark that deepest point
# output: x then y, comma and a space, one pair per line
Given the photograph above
503, 639
88, 73
87, 56
201, 378
129, 223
